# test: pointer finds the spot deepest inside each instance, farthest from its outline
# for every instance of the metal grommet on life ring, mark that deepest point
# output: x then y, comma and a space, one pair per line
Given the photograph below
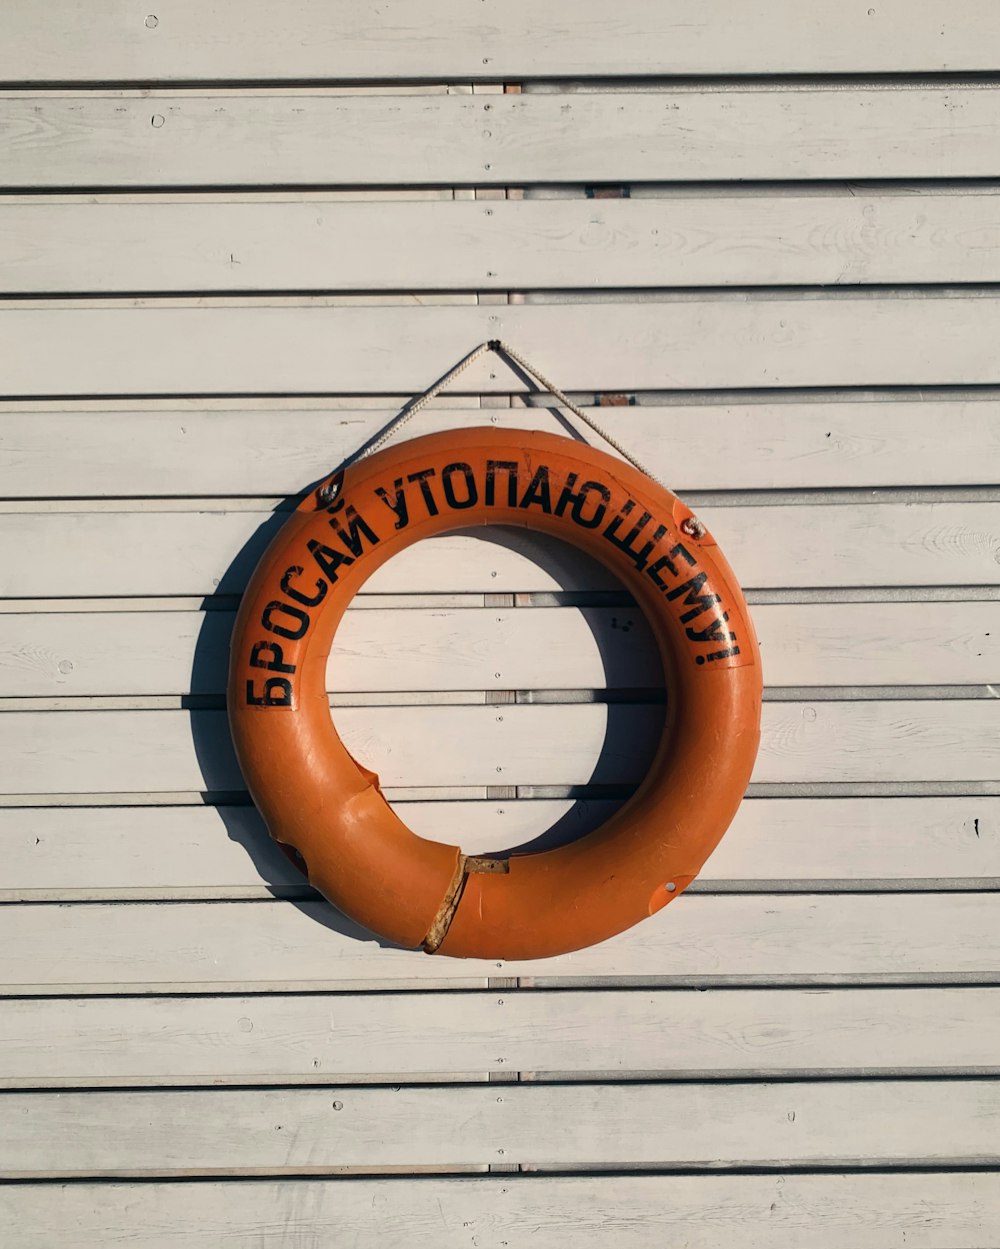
315, 797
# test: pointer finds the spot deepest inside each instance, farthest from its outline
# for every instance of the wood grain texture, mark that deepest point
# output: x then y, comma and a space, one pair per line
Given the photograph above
928, 939
302, 1131
310, 346
253, 244
446, 39
90, 752
190, 551
318, 139
219, 447
956, 1210
317, 1039
54, 654
66, 853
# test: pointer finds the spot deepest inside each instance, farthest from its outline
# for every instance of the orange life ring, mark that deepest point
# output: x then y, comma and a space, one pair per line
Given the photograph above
315, 797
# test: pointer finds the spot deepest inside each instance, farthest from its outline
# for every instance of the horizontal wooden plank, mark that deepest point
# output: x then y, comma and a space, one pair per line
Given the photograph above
254, 244
946, 938
196, 552
87, 752
383, 649
147, 449
311, 347
312, 1038
90, 752
315, 138
68, 853
498, 648
301, 1131
930, 1210
187, 41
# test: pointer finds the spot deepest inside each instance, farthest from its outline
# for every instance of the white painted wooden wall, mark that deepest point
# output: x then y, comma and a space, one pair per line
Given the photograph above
234, 239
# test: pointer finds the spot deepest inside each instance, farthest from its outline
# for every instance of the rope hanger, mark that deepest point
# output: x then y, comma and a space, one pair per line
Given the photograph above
501, 349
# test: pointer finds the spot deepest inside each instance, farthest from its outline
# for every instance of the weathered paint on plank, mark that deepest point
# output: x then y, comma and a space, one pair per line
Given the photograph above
90, 752
685, 343
255, 244
871, 1123
314, 1039
198, 552
929, 1210
219, 40
66, 853
53, 654
928, 939
276, 448
318, 139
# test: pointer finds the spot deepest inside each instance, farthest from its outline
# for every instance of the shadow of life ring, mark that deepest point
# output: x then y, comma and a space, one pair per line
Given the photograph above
315, 797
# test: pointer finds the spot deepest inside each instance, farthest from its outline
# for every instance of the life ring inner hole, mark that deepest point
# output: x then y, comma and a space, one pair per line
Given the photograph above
516, 717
